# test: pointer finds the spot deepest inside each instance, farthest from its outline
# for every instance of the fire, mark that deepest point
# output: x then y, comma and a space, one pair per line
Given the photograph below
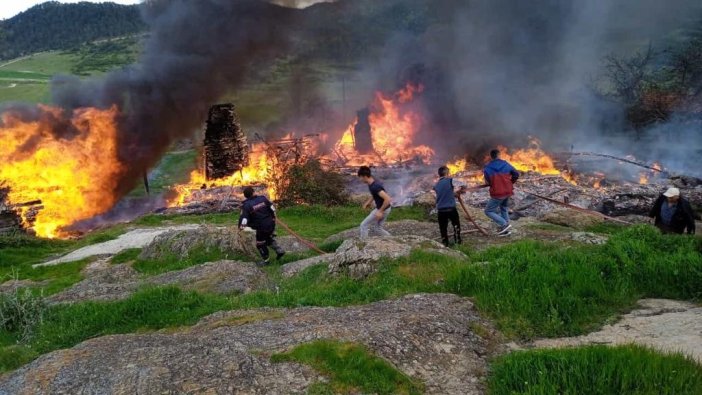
532, 158
393, 132
259, 170
74, 176
457, 166
643, 178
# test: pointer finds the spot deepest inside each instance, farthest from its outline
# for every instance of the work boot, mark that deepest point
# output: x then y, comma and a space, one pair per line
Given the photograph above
262, 263
279, 251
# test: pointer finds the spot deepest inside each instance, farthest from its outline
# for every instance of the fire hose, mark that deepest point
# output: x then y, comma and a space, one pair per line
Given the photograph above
300, 238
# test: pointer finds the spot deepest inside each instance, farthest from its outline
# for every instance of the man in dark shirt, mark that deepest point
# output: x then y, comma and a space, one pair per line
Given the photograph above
376, 219
446, 206
258, 213
672, 213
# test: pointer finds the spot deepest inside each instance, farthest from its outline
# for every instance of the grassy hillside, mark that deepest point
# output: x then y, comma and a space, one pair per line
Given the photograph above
27, 79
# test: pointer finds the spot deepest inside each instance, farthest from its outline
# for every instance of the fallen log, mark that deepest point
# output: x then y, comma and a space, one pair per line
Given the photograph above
633, 162
582, 210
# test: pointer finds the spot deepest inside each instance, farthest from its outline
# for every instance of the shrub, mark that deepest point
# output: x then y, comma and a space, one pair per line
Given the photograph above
21, 312
310, 183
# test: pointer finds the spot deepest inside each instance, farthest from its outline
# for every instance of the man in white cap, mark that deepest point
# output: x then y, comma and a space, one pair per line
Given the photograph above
672, 213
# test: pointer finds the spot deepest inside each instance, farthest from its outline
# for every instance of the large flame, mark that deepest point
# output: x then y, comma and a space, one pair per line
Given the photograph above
74, 177
393, 132
258, 171
532, 158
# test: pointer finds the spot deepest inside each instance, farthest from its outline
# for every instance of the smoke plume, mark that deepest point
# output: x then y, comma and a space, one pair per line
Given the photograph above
196, 52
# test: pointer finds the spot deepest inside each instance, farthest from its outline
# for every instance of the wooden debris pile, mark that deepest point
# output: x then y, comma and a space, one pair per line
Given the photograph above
225, 145
10, 214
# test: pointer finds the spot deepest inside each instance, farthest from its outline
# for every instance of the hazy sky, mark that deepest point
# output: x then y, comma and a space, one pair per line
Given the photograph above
10, 8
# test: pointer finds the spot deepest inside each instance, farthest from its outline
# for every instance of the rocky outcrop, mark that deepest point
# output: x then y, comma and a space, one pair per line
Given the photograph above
358, 258
294, 268
105, 282
428, 337
589, 238
224, 277
228, 240
666, 325
396, 228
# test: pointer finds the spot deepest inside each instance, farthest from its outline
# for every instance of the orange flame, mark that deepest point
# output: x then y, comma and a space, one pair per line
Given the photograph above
393, 132
74, 177
257, 171
532, 158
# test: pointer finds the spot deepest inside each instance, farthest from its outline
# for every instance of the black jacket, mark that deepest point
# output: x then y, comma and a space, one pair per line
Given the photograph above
683, 218
258, 212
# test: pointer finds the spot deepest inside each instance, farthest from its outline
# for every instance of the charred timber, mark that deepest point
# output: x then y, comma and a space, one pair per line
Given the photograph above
226, 148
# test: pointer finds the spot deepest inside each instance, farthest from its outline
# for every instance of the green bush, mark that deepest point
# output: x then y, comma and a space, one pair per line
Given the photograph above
21, 312
310, 183
595, 370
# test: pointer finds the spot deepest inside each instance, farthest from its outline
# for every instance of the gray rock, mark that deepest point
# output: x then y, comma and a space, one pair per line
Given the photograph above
294, 268
358, 258
229, 240
589, 238
396, 228
223, 277
428, 337
116, 282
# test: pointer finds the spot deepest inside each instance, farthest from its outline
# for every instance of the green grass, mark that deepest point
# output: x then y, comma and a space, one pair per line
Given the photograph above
128, 255
150, 309
595, 370
315, 223
18, 252
536, 289
174, 168
170, 262
351, 368
530, 289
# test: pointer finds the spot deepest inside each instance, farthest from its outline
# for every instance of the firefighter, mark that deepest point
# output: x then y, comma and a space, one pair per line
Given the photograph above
258, 213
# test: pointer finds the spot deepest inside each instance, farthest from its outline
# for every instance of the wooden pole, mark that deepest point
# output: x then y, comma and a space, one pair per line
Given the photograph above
470, 218
576, 208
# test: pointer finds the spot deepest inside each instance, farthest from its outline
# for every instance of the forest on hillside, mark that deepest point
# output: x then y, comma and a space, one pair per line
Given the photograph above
52, 26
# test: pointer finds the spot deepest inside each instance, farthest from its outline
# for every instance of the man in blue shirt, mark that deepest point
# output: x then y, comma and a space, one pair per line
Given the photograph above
446, 206
376, 219
258, 213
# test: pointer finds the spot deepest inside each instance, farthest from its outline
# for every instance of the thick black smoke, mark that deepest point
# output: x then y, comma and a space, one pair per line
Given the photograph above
497, 71
196, 52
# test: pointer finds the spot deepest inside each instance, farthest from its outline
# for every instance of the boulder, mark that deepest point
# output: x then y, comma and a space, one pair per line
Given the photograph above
589, 238
116, 282
228, 240
406, 227
358, 258
294, 268
429, 337
224, 277
571, 218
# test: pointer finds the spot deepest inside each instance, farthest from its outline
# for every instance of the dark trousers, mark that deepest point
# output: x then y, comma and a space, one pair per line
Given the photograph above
446, 215
266, 238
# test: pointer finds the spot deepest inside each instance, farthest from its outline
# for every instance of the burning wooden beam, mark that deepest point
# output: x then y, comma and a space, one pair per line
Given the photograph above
633, 162
226, 148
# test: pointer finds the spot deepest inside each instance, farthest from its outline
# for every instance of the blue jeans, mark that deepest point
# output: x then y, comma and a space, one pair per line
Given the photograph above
497, 210
372, 223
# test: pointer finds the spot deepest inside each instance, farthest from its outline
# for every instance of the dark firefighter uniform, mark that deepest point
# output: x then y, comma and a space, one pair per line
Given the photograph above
257, 212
